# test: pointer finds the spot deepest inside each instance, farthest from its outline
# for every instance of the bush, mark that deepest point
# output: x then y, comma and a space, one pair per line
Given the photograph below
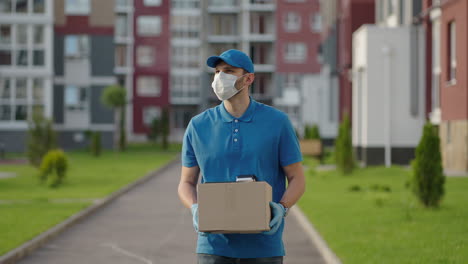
96, 143
427, 181
41, 139
53, 168
311, 132
343, 147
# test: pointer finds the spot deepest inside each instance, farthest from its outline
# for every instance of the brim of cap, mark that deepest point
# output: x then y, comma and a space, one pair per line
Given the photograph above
214, 60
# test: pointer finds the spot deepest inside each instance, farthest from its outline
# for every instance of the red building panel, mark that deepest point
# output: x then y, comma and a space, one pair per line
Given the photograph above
454, 96
305, 9
351, 15
161, 67
80, 25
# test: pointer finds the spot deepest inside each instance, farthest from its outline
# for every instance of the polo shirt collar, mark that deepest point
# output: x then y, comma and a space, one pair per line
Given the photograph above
246, 117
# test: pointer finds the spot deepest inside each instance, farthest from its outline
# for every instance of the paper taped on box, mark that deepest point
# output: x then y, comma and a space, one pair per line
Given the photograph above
234, 207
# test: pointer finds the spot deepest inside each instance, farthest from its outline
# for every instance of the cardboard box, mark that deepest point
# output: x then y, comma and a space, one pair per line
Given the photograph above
234, 207
311, 147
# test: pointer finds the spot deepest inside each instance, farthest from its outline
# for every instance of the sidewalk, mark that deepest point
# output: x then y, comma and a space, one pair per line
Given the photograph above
147, 225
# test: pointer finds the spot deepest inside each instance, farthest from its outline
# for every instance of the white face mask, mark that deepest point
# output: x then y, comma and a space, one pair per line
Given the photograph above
224, 85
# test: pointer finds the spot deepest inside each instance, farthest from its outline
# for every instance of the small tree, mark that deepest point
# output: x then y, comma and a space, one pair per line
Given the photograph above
53, 168
115, 97
96, 143
428, 178
343, 147
165, 128
155, 130
41, 139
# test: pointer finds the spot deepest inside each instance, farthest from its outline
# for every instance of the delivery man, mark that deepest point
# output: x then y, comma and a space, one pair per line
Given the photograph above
241, 136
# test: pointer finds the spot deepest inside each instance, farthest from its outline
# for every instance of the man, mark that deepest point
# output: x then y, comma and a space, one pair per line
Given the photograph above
241, 137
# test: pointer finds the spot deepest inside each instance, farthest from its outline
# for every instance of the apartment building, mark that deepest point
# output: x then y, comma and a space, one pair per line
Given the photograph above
187, 65
83, 67
303, 94
452, 83
26, 67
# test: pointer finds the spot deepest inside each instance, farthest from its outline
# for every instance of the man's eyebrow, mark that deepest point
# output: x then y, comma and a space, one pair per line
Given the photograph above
225, 67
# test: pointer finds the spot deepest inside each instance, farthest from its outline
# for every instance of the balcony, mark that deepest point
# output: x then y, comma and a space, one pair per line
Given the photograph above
264, 67
123, 6
269, 37
223, 38
223, 6
262, 5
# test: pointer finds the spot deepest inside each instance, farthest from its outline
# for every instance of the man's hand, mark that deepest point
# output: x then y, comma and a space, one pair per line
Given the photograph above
194, 209
278, 212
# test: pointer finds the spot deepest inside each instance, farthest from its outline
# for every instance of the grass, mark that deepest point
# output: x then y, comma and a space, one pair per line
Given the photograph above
28, 208
371, 225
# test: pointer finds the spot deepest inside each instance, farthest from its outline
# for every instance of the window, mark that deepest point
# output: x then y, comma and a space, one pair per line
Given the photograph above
148, 86
21, 34
150, 113
390, 7
76, 98
295, 52
149, 26
186, 56
21, 97
38, 34
189, 4
21, 6
121, 55
22, 57
6, 6
38, 6
5, 34
259, 23
436, 64
316, 22
185, 26
77, 7
292, 22
185, 86
152, 2
145, 56
76, 46
223, 25
121, 27
452, 44
292, 80
5, 57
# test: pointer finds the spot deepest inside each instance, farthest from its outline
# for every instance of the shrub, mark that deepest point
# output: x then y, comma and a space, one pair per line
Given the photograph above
53, 168
343, 147
41, 139
427, 181
96, 143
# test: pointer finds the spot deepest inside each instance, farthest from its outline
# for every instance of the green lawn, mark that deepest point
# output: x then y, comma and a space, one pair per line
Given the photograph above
27, 208
375, 226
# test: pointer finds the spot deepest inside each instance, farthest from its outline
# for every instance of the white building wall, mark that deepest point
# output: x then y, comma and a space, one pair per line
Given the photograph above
372, 76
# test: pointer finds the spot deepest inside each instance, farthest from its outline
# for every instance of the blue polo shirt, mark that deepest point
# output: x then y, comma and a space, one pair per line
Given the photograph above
260, 142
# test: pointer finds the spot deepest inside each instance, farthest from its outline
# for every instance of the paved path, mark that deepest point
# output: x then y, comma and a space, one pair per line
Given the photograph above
147, 225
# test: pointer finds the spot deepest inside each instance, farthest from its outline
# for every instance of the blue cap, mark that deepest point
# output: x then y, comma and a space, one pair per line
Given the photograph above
234, 58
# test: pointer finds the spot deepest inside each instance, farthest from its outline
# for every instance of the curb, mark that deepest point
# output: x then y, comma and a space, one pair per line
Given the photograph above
327, 254
20, 252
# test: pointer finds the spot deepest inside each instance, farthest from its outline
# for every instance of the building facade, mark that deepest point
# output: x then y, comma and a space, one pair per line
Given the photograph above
351, 14
187, 66
83, 67
389, 90
26, 67
453, 85
302, 93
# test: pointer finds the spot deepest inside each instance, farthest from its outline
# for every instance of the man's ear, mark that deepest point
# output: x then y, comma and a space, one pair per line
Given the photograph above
250, 78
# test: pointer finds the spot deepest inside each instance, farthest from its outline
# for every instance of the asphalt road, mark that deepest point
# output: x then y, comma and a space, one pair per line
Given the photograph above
148, 225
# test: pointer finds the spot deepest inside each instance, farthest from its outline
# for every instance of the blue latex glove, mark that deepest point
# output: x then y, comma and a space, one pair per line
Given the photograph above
195, 219
277, 213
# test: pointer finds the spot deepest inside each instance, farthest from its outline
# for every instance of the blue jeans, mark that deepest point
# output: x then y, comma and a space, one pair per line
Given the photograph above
213, 259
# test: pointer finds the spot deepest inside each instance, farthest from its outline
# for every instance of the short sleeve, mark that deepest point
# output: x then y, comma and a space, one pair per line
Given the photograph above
289, 150
188, 155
